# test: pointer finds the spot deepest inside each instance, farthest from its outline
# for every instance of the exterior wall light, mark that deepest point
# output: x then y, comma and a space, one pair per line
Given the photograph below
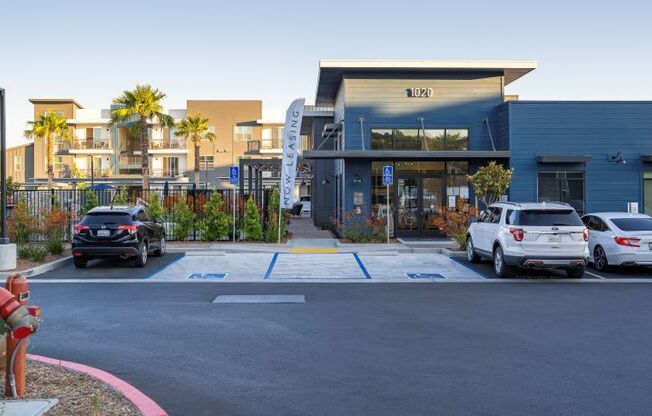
618, 158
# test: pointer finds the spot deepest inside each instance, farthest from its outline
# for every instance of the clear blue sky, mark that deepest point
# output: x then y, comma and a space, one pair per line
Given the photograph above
269, 50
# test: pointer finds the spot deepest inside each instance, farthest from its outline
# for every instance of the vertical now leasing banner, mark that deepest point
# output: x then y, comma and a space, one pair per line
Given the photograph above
290, 148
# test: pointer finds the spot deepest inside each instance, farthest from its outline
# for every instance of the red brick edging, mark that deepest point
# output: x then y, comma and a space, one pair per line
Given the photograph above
143, 403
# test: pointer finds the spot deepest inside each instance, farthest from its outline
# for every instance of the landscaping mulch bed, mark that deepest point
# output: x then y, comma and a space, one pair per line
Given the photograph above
78, 393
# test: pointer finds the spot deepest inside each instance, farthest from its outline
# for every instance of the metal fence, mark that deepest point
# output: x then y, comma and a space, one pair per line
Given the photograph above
41, 202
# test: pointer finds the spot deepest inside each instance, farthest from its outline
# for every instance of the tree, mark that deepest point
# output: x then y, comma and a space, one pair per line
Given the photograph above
216, 223
490, 182
91, 201
120, 197
155, 206
271, 234
252, 228
49, 127
12, 186
143, 106
196, 129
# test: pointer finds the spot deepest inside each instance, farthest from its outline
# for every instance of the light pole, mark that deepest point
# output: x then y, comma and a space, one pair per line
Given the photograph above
3, 170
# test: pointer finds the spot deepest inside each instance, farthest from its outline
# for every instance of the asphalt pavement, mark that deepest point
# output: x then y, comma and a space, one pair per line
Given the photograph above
538, 348
112, 269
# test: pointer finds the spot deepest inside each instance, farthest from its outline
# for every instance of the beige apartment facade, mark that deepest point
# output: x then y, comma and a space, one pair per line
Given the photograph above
104, 153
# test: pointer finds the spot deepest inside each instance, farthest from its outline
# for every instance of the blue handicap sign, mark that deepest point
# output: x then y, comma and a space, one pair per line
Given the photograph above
388, 175
234, 175
207, 276
425, 276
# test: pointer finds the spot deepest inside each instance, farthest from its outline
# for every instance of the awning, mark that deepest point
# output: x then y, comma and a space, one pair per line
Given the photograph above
405, 154
564, 158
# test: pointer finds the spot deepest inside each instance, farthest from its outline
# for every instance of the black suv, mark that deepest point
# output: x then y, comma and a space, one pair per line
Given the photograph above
121, 232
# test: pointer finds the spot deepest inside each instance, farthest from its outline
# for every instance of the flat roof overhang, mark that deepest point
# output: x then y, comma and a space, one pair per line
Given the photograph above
332, 71
405, 154
564, 158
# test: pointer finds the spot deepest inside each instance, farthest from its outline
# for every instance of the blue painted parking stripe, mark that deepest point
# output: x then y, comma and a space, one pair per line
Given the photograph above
271, 266
364, 270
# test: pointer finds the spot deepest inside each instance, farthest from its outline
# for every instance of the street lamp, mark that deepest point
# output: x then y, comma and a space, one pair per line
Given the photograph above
3, 170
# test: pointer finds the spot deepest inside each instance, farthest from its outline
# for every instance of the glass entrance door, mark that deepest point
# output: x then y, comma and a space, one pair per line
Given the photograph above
407, 209
432, 201
419, 200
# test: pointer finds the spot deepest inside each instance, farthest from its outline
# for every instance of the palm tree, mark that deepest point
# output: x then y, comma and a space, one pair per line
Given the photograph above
139, 106
195, 128
47, 128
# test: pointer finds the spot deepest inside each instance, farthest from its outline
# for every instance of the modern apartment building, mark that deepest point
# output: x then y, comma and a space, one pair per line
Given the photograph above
20, 162
101, 153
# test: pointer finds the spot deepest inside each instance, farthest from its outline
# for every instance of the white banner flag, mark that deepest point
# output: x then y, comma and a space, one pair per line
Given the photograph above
290, 148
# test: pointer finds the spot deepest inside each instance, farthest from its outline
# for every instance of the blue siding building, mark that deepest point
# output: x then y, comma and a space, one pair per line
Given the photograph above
435, 122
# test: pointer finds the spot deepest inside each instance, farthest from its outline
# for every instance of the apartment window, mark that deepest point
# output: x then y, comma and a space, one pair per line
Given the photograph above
419, 139
206, 162
562, 186
59, 113
242, 133
18, 163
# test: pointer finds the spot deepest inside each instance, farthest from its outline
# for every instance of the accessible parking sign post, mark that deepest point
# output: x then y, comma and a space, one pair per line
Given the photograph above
234, 178
388, 179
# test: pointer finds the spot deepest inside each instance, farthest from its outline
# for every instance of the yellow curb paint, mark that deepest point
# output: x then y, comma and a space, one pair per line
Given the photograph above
313, 250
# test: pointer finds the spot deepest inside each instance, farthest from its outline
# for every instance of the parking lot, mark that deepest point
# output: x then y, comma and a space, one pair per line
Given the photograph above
485, 269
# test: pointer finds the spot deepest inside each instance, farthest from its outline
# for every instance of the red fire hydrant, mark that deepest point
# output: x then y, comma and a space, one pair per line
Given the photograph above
21, 322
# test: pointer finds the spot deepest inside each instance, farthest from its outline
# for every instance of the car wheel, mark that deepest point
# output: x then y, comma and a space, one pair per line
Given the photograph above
600, 260
575, 272
80, 262
141, 259
500, 267
471, 255
161, 249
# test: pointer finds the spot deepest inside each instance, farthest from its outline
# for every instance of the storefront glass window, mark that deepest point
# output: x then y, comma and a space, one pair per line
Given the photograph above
647, 192
457, 139
562, 186
382, 139
419, 139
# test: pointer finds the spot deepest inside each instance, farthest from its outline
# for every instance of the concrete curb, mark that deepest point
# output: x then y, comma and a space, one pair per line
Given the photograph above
143, 403
41, 268
453, 253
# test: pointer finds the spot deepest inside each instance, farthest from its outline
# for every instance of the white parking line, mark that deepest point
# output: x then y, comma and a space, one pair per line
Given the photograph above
593, 274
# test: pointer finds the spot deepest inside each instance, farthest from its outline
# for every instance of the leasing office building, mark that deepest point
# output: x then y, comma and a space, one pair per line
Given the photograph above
437, 121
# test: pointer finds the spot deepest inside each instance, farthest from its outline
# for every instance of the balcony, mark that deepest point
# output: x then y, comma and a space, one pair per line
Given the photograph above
166, 173
167, 144
91, 144
272, 146
71, 172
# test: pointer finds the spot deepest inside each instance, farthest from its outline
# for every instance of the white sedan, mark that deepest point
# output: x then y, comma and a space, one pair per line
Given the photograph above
619, 239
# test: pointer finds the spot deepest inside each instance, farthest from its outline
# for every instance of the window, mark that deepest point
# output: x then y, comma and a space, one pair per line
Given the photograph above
562, 186
548, 217
494, 215
18, 163
242, 133
647, 193
59, 113
206, 162
419, 139
633, 224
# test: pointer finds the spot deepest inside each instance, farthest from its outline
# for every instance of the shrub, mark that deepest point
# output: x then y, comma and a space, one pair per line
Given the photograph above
55, 246
271, 233
39, 253
359, 226
32, 251
216, 223
91, 201
155, 206
252, 228
184, 220
120, 197
21, 224
454, 222
490, 182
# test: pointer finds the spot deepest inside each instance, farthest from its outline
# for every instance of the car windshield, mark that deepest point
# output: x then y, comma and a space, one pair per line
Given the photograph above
633, 224
549, 217
305, 199
96, 218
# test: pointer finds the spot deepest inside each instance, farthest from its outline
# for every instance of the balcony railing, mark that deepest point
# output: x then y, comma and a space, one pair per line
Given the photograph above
265, 144
68, 172
167, 144
130, 162
89, 144
158, 173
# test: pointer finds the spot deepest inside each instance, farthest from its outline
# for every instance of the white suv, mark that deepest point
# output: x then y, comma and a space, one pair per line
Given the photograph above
532, 235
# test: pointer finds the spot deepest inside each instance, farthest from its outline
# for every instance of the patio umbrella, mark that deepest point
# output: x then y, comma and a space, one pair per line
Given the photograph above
101, 187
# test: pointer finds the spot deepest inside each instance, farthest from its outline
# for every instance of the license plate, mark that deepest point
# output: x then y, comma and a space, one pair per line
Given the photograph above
552, 239
103, 233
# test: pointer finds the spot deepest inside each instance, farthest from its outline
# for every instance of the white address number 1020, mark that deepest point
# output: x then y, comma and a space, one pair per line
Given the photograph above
419, 92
